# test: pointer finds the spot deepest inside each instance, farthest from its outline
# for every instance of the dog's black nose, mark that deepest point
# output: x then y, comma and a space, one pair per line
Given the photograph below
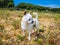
32, 22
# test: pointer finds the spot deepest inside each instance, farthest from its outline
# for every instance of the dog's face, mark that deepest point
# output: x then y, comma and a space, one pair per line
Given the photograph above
29, 19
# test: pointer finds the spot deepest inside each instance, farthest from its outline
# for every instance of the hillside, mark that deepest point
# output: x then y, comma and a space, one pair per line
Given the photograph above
11, 34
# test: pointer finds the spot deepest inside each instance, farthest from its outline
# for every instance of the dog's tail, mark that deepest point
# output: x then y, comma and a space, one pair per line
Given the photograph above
36, 14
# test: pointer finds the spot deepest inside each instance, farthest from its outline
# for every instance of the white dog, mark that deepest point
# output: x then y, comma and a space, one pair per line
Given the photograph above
28, 23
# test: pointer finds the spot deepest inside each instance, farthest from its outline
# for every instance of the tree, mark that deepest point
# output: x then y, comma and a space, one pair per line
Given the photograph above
28, 6
10, 4
1, 3
6, 3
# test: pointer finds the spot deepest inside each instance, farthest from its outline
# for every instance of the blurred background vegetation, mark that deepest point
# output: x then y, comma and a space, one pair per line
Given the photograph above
9, 4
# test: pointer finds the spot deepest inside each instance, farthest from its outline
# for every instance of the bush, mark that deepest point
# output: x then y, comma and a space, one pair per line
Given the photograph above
11, 9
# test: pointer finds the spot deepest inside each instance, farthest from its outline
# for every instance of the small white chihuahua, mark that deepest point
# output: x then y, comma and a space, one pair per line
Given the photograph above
28, 23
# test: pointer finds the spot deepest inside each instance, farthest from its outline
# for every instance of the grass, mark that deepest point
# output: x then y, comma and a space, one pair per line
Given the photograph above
11, 34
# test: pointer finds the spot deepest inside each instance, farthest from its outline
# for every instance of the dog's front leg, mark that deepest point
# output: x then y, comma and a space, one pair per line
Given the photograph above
29, 35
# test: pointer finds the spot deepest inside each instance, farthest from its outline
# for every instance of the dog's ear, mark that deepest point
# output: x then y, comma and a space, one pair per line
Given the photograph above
25, 13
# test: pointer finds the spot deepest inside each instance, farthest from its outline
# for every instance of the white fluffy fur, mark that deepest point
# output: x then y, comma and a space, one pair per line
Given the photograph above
27, 24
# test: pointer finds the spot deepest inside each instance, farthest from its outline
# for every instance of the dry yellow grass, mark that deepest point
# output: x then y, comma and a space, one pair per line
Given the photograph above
11, 34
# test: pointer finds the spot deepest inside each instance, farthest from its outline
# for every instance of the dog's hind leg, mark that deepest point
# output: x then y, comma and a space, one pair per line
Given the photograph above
37, 29
23, 32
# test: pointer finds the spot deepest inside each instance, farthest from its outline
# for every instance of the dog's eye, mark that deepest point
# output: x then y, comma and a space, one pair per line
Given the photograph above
29, 19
